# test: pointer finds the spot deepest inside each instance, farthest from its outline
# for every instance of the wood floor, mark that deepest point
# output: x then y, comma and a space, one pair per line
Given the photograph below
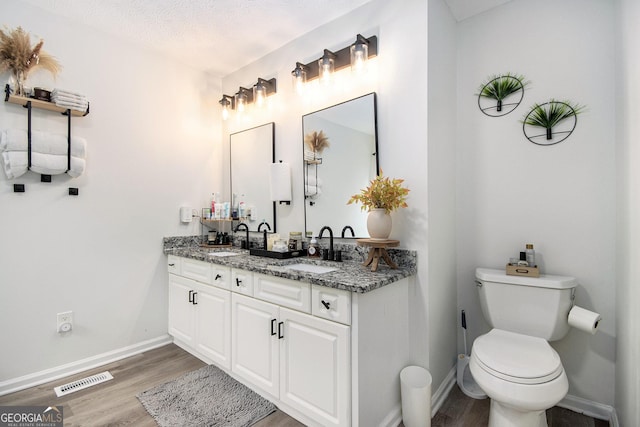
114, 403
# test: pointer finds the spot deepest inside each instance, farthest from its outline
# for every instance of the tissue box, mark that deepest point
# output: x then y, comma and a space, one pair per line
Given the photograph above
41, 94
516, 270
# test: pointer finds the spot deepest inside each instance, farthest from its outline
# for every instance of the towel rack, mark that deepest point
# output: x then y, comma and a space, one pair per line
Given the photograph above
30, 103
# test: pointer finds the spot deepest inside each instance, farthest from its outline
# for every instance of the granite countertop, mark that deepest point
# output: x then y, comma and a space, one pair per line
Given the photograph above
350, 275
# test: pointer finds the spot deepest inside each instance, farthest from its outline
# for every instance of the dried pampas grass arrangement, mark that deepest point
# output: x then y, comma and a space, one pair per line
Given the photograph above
316, 141
17, 55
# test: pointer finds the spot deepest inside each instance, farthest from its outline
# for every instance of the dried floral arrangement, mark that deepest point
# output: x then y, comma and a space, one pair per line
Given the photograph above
382, 193
316, 141
18, 55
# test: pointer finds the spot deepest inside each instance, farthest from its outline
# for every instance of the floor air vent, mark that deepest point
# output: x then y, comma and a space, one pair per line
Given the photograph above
83, 383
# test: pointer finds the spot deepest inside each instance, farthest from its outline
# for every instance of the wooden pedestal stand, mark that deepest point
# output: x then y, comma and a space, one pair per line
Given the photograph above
378, 250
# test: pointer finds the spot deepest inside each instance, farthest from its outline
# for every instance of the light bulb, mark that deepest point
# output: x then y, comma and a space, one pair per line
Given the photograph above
240, 103
359, 54
260, 93
299, 76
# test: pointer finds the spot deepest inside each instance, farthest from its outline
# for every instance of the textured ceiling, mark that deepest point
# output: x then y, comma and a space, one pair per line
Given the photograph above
218, 36
463, 9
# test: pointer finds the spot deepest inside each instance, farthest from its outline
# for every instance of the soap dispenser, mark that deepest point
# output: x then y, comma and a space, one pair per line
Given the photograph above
314, 248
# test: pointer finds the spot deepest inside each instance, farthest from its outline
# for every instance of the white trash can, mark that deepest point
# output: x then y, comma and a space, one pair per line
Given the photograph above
415, 392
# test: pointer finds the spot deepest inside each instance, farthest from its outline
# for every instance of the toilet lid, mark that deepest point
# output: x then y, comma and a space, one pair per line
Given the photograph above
517, 358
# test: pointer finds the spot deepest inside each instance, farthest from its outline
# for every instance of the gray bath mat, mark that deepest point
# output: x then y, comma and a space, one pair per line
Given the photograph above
206, 397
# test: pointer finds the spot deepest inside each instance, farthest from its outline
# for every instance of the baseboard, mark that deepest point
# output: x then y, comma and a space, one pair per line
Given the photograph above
52, 374
394, 418
441, 394
590, 409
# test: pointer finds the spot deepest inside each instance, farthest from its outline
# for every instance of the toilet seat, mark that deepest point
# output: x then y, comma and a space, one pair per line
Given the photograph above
517, 358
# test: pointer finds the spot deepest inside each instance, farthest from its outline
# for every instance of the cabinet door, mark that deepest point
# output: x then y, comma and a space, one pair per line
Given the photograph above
213, 324
315, 368
181, 310
254, 342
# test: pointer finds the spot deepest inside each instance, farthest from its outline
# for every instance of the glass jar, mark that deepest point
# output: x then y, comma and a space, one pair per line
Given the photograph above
295, 240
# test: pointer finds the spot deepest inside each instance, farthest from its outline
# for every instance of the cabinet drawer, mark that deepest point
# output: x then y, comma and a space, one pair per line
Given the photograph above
221, 276
242, 282
284, 292
196, 270
173, 264
331, 304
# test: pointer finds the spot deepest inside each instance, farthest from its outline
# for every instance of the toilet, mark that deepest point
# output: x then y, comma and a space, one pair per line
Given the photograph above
514, 363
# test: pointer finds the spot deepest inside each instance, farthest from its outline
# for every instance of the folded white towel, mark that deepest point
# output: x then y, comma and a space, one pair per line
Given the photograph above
77, 167
70, 100
41, 142
68, 96
312, 180
58, 91
72, 106
15, 164
48, 164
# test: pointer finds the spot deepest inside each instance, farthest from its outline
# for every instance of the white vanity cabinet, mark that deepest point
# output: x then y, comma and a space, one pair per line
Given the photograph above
200, 314
301, 360
328, 357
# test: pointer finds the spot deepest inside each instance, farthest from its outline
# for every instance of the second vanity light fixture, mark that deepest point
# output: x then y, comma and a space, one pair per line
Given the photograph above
256, 95
355, 55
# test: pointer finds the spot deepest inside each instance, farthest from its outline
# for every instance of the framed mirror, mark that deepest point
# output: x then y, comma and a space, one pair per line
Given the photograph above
340, 157
251, 155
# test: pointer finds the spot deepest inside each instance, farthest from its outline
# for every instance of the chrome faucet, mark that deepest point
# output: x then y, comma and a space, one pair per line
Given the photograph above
246, 244
326, 227
348, 227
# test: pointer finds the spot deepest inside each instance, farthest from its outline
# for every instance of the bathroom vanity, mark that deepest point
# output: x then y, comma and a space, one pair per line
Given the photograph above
324, 341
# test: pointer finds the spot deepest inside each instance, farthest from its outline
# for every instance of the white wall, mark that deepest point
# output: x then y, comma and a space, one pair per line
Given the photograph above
561, 198
399, 77
442, 321
150, 150
628, 233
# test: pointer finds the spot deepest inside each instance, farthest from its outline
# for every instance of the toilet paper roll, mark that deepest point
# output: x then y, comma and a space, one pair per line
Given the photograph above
583, 319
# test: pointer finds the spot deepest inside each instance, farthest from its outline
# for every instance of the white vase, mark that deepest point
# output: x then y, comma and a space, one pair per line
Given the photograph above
379, 224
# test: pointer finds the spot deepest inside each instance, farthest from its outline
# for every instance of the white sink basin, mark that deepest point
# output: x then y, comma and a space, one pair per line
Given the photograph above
223, 253
310, 268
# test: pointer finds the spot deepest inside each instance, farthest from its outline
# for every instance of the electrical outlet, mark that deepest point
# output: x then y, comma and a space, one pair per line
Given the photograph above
65, 321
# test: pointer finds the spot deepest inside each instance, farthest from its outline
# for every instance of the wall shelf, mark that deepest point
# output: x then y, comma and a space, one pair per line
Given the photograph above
37, 103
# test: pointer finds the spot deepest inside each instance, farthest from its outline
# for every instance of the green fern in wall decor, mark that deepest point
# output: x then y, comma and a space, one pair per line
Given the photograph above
549, 115
498, 88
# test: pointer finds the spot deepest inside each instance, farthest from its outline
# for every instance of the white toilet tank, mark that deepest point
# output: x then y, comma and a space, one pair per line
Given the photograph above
536, 306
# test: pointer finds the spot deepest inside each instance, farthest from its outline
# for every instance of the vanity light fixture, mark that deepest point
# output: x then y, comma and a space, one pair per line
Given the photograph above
227, 103
257, 94
262, 89
354, 55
